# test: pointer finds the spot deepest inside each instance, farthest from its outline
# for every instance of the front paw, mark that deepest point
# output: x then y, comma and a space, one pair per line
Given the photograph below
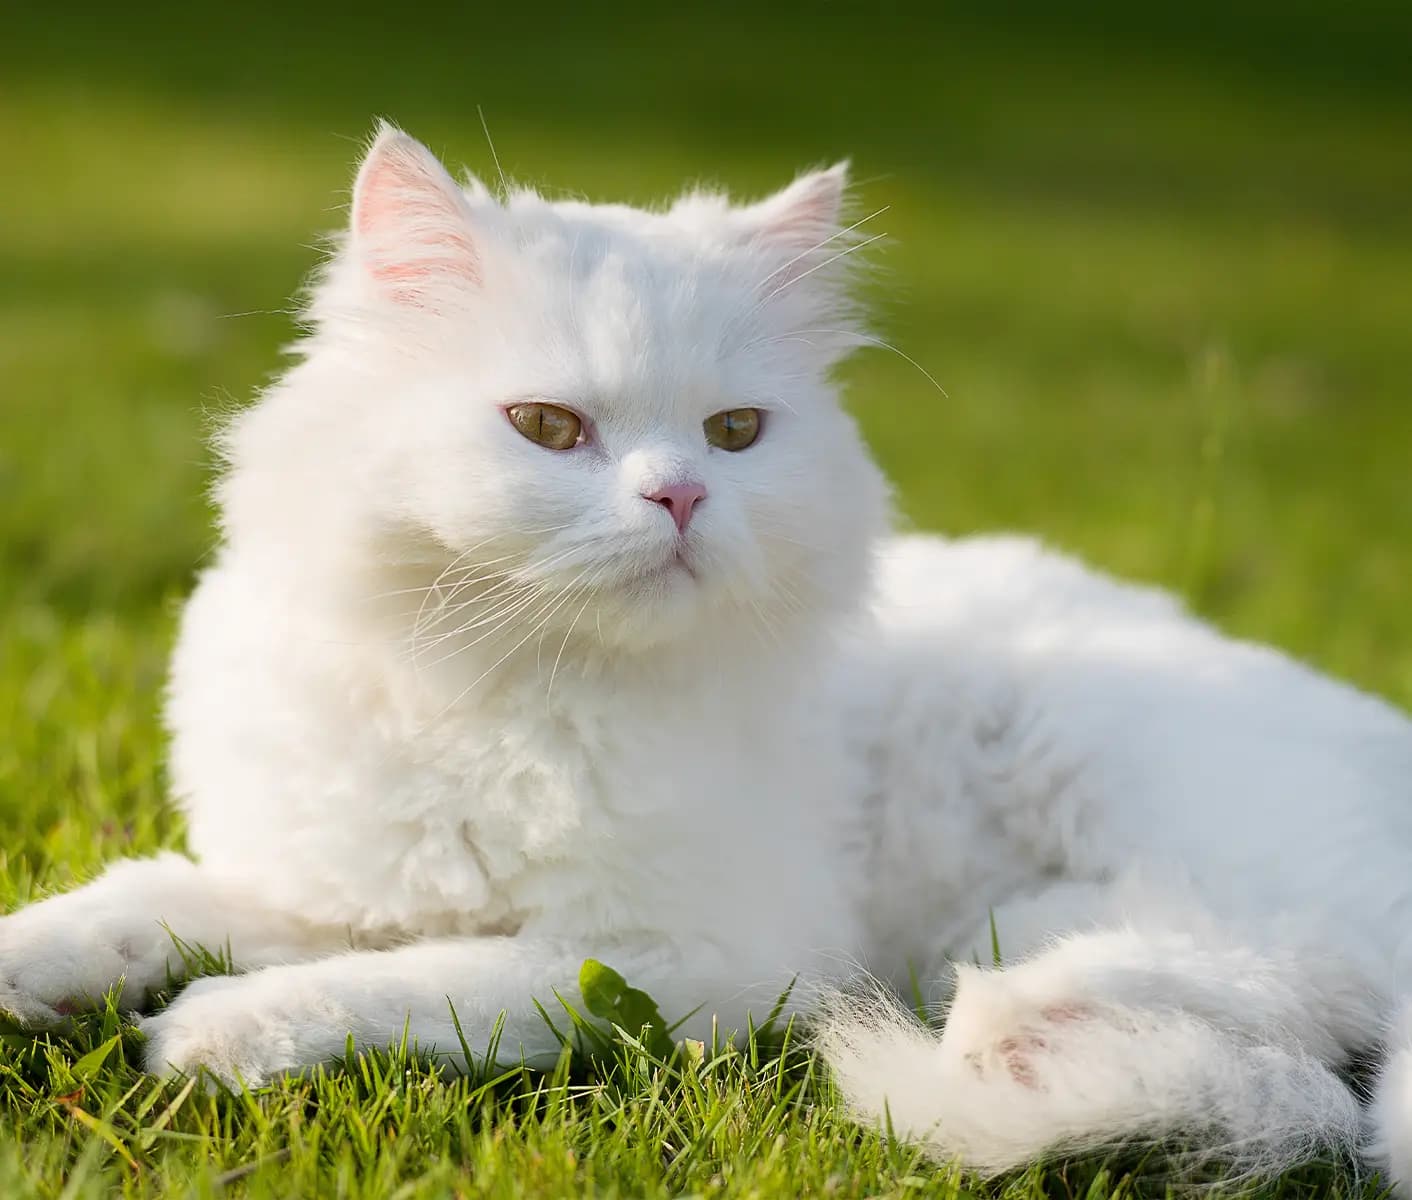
51, 968
26, 1009
240, 1029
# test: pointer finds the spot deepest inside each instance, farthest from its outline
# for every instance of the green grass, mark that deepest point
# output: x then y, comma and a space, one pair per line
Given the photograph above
1159, 262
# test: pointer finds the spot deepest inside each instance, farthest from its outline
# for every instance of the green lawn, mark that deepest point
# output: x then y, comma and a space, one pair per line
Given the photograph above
1160, 263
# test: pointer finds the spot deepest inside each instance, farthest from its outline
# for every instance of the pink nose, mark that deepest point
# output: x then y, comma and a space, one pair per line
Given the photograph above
678, 499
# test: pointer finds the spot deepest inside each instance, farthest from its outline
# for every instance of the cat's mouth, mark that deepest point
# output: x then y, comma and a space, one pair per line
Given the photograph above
681, 560
678, 563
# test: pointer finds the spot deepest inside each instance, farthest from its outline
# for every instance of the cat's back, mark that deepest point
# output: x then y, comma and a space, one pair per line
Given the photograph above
1042, 719
1009, 606
1000, 585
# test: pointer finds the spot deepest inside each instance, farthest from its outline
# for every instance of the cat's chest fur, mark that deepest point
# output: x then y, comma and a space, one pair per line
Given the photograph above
363, 799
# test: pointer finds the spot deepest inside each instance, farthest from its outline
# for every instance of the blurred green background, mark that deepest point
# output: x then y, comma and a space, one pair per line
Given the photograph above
1159, 258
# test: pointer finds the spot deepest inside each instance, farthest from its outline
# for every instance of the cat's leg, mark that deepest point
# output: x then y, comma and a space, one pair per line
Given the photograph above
256, 1026
64, 953
1116, 1034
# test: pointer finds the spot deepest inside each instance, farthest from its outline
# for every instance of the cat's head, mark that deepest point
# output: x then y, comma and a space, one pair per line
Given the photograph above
581, 413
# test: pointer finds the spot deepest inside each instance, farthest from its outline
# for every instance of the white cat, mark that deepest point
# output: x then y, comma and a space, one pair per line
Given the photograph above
555, 617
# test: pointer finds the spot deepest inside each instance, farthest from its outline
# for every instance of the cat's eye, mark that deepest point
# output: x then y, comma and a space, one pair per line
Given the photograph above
547, 425
734, 429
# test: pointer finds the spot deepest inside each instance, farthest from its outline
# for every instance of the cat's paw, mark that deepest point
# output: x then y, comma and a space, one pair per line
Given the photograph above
26, 1009
1021, 1050
1001, 1031
241, 1029
55, 964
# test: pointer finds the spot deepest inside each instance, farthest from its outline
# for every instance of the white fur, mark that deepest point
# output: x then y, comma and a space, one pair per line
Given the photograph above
447, 718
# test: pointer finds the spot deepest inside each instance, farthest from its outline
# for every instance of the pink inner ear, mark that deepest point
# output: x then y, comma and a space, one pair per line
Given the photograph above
413, 228
809, 218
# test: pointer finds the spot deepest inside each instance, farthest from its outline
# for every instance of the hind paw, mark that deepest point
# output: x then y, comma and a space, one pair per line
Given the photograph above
1009, 1038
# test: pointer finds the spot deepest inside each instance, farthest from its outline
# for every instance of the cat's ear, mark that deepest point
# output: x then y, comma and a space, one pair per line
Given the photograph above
799, 231
801, 218
801, 252
411, 226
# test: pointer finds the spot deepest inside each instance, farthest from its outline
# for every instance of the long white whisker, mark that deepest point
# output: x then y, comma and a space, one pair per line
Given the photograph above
451, 604
495, 158
452, 567
436, 583
778, 399
509, 609
455, 567
497, 621
821, 244
421, 589
505, 581
448, 601
798, 334
789, 283
549, 691
584, 580
466, 691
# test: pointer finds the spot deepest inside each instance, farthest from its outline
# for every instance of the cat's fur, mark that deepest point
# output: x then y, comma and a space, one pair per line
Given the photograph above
448, 716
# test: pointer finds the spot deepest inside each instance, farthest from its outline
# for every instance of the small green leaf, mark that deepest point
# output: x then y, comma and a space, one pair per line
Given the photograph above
88, 1066
608, 996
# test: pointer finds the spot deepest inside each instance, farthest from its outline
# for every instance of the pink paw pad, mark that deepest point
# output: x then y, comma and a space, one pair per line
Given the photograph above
1015, 1052
1018, 1051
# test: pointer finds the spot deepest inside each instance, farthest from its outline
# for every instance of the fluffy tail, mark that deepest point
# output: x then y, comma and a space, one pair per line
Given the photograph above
1023, 1072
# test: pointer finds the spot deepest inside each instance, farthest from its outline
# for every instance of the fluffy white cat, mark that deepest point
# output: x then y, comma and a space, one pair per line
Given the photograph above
556, 616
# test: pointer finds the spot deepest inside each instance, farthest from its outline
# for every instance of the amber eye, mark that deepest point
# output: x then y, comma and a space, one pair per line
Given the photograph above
734, 429
546, 424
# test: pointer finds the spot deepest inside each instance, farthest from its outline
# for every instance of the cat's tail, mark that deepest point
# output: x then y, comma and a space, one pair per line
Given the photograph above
1017, 1077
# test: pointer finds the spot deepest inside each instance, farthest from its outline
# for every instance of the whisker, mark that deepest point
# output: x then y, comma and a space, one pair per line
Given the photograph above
780, 400
478, 679
821, 244
789, 283
495, 158
451, 566
506, 579
448, 601
549, 691
455, 562
451, 606
509, 609
455, 567
497, 620
862, 337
